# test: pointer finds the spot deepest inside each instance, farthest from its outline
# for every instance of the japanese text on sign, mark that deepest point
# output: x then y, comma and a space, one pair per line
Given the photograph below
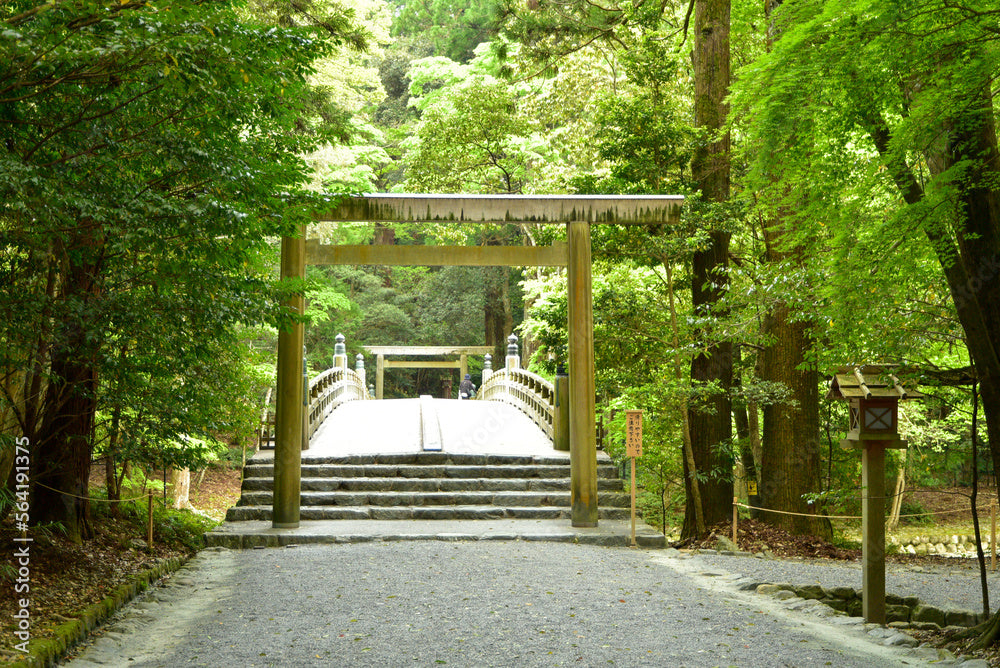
633, 433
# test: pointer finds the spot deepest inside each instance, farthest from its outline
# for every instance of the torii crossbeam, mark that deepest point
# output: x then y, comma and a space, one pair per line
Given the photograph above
577, 212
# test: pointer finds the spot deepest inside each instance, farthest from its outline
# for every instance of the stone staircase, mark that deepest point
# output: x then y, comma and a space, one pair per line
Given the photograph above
431, 486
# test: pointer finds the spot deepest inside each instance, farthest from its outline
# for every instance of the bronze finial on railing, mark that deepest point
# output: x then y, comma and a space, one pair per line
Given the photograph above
513, 356
340, 352
359, 368
487, 367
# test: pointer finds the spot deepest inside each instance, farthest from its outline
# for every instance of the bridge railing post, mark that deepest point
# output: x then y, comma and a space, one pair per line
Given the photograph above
359, 368
487, 368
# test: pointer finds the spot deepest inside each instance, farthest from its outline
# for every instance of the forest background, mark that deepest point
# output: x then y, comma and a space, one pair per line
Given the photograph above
839, 162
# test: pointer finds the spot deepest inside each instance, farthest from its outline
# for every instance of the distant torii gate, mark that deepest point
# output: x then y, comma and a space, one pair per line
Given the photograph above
381, 363
577, 212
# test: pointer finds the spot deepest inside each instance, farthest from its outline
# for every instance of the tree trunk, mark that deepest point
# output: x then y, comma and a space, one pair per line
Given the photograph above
790, 456
110, 466
60, 460
741, 420
692, 488
710, 423
497, 316
790, 446
180, 486
897, 497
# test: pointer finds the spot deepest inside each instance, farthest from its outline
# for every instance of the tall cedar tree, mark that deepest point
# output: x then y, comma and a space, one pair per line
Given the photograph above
882, 114
790, 448
711, 420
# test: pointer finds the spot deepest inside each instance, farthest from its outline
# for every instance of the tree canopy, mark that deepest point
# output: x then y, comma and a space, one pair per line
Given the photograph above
839, 162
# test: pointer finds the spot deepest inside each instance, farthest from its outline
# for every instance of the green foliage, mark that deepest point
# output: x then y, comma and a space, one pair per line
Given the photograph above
913, 513
471, 140
645, 132
399, 305
137, 204
324, 302
452, 28
177, 528
852, 102
181, 527
658, 472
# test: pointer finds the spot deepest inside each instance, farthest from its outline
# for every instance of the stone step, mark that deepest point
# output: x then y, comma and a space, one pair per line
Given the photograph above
432, 458
393, 484
311, 470
474, 512
430, 486
417, 499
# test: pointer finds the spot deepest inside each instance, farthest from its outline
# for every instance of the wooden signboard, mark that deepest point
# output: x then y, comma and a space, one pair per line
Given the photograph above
633, 449
633, 433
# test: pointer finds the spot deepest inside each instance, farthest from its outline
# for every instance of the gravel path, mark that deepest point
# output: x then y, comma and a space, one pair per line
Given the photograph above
488, 603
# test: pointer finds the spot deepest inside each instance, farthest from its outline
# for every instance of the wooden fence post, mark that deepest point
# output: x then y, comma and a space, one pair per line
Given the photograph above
149, 520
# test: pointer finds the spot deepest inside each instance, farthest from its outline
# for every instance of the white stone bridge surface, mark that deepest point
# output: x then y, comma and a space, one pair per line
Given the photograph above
402, 426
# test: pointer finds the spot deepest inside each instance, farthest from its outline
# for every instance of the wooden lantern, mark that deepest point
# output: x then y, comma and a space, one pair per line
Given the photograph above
873, 394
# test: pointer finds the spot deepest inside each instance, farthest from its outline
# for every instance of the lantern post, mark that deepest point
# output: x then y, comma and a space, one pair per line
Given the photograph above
873, 394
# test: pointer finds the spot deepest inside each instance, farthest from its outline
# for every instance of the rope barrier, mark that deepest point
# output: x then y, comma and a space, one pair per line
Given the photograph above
788, 512
852, 517
89, 498
992, 508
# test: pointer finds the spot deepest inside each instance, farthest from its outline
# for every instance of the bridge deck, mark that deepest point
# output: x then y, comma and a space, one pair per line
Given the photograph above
393, 426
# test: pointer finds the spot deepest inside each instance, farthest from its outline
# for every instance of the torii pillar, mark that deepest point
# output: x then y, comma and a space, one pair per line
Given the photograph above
582, 427
289, 409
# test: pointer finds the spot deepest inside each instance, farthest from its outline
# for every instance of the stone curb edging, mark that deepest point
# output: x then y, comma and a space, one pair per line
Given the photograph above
244, 541
956, 545
842, 605
46, 651
804, 599
901, 612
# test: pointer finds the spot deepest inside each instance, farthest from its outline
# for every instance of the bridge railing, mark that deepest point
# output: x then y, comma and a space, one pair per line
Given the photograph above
529, 392
326, 391
330, 389
265, 432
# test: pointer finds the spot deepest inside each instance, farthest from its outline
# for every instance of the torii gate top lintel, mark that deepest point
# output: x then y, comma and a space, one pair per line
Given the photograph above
415, 208
428, 350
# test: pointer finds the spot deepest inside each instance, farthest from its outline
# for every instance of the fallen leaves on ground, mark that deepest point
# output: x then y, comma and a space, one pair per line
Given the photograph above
66, 578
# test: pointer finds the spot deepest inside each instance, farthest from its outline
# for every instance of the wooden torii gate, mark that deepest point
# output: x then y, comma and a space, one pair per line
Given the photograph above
577, 212
381, 363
